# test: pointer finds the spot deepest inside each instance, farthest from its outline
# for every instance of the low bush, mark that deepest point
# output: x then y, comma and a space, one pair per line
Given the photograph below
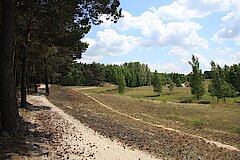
186, 101
204, 102
198, 124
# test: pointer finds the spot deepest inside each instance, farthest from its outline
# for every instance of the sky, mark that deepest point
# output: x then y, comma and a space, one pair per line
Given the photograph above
165, 34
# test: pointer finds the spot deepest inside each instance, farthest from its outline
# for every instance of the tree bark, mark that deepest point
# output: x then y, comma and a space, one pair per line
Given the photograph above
24, 59
23, 80
35, 84
8, 103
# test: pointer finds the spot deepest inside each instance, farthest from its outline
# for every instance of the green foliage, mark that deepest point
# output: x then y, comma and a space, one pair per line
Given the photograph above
177, 78
178, 82
121, 84
50, 33
135, 73
171, 86
220, 84
237, 130
196, 79
198, 124
234, 76
208, 75
226, 90
157, 85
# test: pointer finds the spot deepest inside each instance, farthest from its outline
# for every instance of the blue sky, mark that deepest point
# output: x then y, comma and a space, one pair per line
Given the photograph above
165, 34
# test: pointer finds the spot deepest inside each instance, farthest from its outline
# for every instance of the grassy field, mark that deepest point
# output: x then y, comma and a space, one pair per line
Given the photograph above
222, 117
179, 94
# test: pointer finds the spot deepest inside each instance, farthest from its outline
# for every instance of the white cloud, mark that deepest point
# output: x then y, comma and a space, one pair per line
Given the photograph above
90, 59
222, 62
178, 51
109, 42
235, 59
189, 9
176, 11
222, 51
156, 33
183, 54
152, 32
167, 67
203, 61
230, 60
230, 28
170, 25
90, 42
118, 63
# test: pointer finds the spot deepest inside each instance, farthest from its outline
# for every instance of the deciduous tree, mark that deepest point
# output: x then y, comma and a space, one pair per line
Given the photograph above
121, 84
157, 85
171, 86
196, 79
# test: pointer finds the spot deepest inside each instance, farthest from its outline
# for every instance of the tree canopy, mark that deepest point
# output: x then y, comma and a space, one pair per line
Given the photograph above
47, 39
196, 79
157, 84
221, 86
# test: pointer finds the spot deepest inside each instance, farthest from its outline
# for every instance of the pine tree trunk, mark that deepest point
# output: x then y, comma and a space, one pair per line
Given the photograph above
28, 84
35, 84
8, 104
23, 80
24, 60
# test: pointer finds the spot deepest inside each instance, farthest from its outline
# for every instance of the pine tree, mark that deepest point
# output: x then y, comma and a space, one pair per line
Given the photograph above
9, 117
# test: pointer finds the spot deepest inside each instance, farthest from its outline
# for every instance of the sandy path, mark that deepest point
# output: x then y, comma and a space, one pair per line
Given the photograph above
85, 88
218, 144
83, 142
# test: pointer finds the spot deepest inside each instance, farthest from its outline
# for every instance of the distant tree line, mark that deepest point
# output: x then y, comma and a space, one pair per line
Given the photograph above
134, 74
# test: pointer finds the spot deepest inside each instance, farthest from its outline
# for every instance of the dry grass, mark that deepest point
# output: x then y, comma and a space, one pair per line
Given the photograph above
216, 117
217, 122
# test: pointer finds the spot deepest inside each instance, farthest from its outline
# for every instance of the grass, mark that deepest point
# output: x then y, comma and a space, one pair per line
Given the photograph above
191, 115
180, 94
218, 121
106, 88
198, 124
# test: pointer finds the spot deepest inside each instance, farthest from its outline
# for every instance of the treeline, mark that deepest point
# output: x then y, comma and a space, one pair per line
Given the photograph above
135, 74
225, 81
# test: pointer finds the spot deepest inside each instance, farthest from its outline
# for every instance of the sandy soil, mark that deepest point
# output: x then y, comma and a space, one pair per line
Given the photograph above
77, 141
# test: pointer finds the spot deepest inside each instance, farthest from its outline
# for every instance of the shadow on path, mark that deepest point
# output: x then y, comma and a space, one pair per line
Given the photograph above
29, 141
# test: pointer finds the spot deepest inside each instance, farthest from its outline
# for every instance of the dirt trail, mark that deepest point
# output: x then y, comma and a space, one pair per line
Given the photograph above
86, 88
83, 142
218, 144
